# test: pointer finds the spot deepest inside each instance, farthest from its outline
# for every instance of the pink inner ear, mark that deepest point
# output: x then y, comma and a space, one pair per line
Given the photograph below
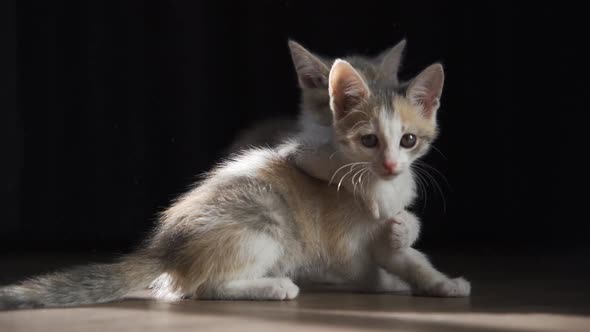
347, 95
430, 102
428, 98
426, 89
346, 87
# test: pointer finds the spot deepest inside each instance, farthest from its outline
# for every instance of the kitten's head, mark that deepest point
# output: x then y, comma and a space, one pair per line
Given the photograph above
313, 72
377, 122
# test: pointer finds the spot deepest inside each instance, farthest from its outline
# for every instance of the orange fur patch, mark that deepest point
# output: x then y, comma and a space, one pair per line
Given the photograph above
413, 119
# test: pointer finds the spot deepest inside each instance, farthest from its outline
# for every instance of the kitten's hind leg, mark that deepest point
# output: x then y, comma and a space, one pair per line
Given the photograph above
276, 289
247, 272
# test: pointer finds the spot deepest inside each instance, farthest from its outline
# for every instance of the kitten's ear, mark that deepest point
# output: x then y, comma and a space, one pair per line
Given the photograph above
390, 60
425, 89
347, 88
311, 71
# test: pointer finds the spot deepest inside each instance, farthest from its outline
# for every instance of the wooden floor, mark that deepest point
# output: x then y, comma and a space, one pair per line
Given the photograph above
527, 293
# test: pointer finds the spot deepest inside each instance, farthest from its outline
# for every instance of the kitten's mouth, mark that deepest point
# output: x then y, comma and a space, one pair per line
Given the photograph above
389, 176
386, 175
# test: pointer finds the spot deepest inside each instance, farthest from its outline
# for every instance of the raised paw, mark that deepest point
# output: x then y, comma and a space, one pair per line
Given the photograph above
402, 230
457, 287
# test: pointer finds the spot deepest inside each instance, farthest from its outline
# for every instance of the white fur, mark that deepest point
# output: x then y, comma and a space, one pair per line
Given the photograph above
162, 288
254, 289
395, 195
247, 164
404, 229
265, 249
390, 125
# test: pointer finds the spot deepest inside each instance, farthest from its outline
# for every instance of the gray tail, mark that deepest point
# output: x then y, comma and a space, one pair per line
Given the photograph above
98, 283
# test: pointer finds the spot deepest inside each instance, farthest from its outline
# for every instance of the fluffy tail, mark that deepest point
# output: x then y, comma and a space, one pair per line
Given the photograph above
98, 283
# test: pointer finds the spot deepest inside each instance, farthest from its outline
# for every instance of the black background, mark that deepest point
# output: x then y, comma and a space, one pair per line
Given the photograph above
111, 109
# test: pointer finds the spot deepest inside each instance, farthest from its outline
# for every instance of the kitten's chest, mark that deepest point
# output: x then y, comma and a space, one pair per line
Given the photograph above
394, 196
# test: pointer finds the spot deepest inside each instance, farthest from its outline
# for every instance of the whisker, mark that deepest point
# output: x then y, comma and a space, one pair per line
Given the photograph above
370, 173
433, 180
354, 184
352, 168
338, 170
359, 181
361, 176
438, 172
437, 150
421, 186
355, 174
353, 112
358, 124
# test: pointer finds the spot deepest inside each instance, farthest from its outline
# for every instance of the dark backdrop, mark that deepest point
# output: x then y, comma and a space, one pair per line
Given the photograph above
111, 109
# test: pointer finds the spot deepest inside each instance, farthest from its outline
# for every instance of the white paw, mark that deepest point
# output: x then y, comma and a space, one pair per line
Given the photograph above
402, 231
458, 287
281, 289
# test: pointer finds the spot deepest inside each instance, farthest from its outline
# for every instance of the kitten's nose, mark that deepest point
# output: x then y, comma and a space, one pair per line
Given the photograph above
390, 166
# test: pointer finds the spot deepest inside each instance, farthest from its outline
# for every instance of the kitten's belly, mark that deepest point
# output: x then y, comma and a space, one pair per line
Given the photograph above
345, 272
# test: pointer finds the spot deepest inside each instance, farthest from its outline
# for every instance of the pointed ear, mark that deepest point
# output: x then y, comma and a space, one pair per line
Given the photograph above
346, 87
311, 70
425, 89
390, 60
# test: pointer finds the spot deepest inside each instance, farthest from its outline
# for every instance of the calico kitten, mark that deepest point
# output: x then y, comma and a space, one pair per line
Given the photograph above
259, 222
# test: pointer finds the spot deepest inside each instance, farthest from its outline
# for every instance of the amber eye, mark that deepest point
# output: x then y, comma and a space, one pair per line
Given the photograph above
370, 140
408, 141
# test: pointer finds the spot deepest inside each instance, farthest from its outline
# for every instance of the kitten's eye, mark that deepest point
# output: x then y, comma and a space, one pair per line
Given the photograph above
408, 141
370, 140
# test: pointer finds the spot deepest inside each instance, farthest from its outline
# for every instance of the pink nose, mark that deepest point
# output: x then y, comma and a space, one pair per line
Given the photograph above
390, 166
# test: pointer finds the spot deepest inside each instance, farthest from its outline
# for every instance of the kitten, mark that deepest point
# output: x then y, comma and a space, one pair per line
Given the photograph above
371, 95
259, 222
312, 72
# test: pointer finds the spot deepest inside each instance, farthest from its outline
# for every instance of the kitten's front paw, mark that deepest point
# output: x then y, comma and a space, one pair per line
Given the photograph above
457, 287
402, 230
